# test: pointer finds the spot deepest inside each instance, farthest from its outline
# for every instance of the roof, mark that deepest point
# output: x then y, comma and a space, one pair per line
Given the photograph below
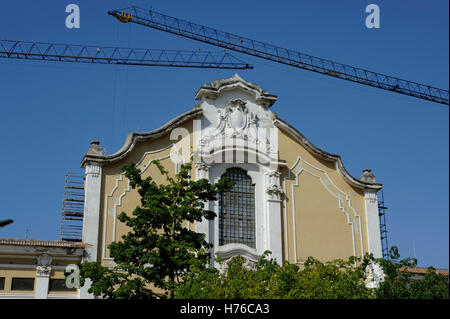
40, 243
423, 271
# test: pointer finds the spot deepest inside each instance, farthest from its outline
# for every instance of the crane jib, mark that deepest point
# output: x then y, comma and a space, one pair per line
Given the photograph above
270, 52
14, 49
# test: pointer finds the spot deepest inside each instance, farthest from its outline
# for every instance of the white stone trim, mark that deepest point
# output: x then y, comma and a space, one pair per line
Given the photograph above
63, 296
236, 124
42, 283
286, 228
267, 214
324, 155
340, 195
375, 275
133, 138
230, 250
118, 201
373, 223
91, 218
43, 270
17, 296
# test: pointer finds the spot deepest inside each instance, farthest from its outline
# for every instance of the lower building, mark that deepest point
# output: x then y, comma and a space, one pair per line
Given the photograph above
35, 268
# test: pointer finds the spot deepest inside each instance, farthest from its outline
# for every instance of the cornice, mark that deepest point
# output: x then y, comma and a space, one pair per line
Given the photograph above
214, 89
132, 138
39, 243
324, 155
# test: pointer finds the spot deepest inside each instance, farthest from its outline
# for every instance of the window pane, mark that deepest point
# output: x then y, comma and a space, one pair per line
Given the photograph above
22, 284
59, 285
2, 283
237, 210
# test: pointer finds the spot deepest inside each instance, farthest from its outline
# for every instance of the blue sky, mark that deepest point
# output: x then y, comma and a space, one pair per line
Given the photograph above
51, 111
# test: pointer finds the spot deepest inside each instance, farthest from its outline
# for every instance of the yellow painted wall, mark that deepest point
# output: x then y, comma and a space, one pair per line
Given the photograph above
117, 197
17, 272
8, 274
59, 274
323, 215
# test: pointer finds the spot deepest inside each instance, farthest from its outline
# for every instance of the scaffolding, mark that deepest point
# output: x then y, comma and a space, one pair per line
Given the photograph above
382, 210
73, 208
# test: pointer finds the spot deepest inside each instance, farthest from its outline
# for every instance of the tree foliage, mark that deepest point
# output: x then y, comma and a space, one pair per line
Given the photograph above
337, 279
268, 280
159, 250
400, 284
161, 258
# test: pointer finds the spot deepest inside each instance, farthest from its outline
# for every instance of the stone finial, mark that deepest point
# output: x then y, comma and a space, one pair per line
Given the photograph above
95, 148
367, 176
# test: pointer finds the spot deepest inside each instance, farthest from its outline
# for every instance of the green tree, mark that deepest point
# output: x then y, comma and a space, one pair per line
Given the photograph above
337, 279
431, 286
158, 251
266, 279
399, 284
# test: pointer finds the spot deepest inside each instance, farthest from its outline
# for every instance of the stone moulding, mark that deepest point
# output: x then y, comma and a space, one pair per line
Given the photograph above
214, 89
39, 243
230, 250
132, 138
282, 125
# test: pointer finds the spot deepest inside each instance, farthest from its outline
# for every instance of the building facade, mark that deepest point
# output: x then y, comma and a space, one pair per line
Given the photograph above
290, 197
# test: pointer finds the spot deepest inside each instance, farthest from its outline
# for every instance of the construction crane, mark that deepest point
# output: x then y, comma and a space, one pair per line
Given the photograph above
152, 19
73, 203
115, 55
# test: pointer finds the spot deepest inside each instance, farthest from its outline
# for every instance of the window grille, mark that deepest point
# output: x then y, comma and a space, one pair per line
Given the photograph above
237, 210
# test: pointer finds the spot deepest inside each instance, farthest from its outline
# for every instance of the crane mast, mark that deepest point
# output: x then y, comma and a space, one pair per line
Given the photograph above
116, 55
153, 19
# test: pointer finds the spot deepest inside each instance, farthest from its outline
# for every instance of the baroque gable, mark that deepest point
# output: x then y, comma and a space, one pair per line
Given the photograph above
233, 128
236, 116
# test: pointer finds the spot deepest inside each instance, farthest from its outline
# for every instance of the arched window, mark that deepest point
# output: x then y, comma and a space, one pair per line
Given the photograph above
237, 210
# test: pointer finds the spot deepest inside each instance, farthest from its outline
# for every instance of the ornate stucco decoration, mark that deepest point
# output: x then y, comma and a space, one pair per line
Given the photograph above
202, 169
43, 267
366, 181
216, 88
375, 275
229, 251
274, 189
238, 125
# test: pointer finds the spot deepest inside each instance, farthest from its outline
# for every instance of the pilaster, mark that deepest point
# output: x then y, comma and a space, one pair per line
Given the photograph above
91, 218
274, 197
373, 222
43, 270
